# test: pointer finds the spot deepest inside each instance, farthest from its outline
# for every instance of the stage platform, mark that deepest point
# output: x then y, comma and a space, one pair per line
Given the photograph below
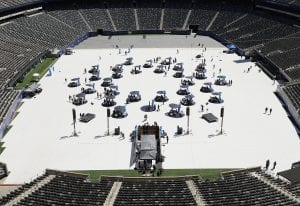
209, 117
41, 134
87, 117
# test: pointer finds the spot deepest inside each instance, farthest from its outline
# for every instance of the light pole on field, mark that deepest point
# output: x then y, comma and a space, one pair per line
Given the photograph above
74, 121
222, 116
108, 115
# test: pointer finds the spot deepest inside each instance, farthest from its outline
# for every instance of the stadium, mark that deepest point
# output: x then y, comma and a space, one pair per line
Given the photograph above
149, 102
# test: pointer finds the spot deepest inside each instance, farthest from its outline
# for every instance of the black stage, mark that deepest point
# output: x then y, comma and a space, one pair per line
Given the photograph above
119, 112
200, 75
108, 101
87, 117
94, 78
89, 91
178, 74
215, 100
73, 84
175, 111
209, 117
106, 82
184, 90
161, 97
134, 96
117, 75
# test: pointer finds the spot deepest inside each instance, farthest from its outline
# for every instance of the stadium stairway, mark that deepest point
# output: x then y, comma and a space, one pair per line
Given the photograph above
111, 20
111, 197
196, 194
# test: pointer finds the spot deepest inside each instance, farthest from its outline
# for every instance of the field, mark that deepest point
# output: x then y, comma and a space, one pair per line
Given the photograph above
41, 136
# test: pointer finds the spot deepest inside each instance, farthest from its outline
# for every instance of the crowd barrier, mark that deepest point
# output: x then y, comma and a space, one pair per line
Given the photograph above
110, 33
148, 32
181, 32
270, 68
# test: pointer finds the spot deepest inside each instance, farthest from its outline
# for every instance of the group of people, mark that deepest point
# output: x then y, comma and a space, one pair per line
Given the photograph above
248, 69
107, 102
125, 52
108, 92
268, 109
268, 165
79, 101
99, 95
156, 59
174, 60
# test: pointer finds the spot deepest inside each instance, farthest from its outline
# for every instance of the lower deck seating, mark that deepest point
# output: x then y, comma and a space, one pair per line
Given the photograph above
241, 188
154, 192
63, 189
